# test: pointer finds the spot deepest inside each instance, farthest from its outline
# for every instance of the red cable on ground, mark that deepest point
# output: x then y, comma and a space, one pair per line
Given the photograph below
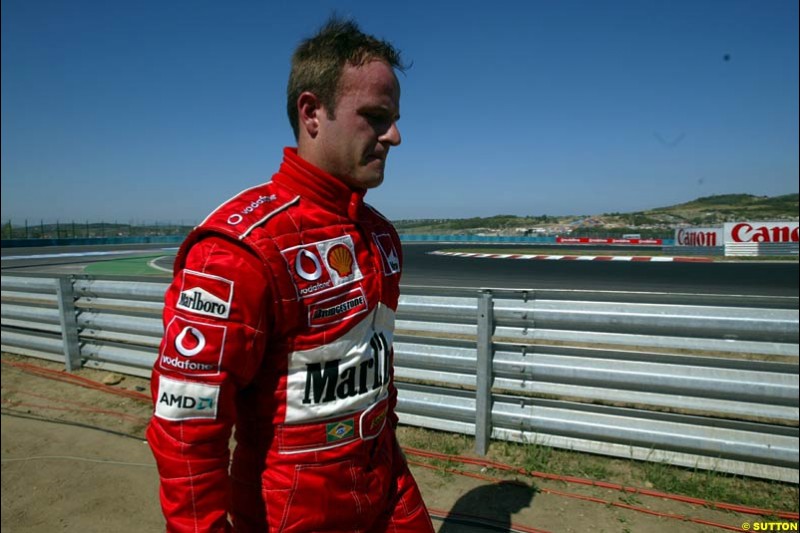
82, 405
123, 416
85, 382
570, 479
454, 471
644, 510
61, 375
593, 499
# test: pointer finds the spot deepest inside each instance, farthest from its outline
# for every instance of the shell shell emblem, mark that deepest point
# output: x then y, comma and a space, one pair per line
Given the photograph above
341, 260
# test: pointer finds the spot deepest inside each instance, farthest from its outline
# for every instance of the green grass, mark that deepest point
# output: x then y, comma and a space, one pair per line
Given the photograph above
719, 487
533, 456
129, 266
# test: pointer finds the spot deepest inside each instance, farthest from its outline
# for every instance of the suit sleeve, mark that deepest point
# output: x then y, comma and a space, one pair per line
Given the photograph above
393, 418
215, 331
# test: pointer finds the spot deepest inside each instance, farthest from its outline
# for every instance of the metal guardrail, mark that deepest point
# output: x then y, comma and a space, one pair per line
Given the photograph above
702, 381
763, 249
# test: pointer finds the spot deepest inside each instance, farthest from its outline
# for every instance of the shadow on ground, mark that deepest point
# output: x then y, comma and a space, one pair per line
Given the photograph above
488, 508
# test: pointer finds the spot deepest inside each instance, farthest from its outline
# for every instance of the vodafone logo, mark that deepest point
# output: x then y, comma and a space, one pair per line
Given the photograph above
195, 337
236, 218
192, 348
303, 258
322, 266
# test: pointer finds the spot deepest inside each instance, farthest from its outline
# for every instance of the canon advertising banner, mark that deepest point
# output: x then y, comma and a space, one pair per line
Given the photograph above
699, 237
760, 232
736, 233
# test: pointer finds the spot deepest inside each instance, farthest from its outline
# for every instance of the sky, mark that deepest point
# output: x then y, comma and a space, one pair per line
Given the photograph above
160, 110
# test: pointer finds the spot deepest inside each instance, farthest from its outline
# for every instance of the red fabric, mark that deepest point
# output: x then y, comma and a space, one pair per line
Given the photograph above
280, 317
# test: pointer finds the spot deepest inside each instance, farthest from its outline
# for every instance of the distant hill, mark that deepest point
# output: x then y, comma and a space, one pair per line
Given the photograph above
659, 222
716, 210
705, 211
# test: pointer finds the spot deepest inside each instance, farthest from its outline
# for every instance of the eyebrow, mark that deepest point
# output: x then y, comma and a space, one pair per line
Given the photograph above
381, 109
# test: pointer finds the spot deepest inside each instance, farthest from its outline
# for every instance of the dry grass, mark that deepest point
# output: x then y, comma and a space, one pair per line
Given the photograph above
707, 485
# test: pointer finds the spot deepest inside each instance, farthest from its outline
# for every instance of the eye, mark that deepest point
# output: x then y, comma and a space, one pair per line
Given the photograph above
376, 116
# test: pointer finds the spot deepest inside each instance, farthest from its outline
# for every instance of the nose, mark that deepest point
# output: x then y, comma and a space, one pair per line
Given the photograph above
391, 136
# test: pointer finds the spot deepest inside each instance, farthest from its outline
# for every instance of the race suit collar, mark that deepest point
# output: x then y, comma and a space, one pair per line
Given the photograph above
313, 183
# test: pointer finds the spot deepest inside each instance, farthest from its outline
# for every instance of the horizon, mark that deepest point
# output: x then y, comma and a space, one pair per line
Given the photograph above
184, 223
162, 111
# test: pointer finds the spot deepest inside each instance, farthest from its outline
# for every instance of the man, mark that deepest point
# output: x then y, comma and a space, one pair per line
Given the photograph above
280, 321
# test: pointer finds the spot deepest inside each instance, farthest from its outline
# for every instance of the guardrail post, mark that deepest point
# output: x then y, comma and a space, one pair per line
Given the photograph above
69, 322
483, 392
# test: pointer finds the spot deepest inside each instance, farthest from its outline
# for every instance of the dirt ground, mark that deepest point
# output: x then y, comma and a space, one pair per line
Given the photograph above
74, 459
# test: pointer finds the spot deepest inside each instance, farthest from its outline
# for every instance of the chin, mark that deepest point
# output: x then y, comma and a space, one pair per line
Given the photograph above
367, 182
374, 182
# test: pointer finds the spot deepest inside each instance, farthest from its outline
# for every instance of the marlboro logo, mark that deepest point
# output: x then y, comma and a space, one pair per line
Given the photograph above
204, 294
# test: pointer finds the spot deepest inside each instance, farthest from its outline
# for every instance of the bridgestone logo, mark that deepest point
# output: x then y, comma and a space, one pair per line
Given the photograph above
339, 309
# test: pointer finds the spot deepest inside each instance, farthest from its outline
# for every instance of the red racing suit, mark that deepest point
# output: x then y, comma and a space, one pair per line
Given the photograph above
279, 321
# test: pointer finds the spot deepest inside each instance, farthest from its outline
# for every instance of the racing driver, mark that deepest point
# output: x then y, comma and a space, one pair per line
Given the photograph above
279, 322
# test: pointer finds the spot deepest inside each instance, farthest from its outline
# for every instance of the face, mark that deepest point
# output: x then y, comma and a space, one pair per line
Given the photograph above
354, 145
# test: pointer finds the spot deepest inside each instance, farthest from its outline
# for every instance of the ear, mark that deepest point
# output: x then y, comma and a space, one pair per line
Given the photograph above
308, 112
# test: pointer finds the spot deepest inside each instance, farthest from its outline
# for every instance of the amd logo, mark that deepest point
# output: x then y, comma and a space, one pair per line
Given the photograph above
186, 400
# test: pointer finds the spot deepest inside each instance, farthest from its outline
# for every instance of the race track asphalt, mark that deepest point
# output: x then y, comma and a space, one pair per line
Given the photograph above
753, 277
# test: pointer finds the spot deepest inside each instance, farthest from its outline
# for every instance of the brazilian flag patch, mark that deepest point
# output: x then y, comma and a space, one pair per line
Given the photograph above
339, 430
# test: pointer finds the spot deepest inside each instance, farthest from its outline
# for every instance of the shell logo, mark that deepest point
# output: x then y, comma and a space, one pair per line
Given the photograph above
341, 260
